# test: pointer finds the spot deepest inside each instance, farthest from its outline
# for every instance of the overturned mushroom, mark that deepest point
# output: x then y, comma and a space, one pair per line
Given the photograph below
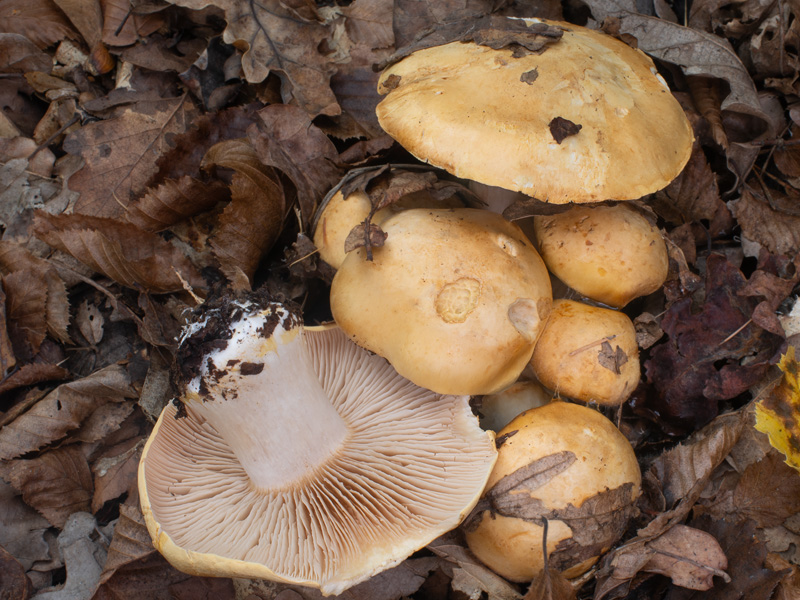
298, 457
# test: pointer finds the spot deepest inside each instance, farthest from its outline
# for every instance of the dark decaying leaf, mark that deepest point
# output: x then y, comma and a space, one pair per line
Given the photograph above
7, 358
63, 410
365, 235
119, 152
19, 55
32, 374
115, 472
286, 139
57, 483
14, 583
278, 39
26, 301
122, 26
174, 201
700, 362
561, 128
121, 251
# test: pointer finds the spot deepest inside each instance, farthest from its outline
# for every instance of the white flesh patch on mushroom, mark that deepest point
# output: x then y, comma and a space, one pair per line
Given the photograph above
402, 466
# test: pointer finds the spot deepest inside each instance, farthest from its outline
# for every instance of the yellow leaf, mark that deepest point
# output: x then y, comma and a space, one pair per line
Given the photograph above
778, 415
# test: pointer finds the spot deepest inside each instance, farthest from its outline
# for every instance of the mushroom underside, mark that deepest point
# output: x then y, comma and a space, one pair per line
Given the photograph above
413, 464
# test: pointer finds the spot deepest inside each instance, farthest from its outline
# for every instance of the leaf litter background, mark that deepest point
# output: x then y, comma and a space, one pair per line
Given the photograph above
154, 152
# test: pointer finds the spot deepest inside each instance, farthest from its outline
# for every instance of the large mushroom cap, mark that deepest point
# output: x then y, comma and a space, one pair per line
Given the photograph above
455, 299
498, 117
409, 466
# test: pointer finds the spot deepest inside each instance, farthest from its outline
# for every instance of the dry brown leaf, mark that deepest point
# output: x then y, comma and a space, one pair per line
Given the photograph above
688, 556
174, 201
40, 21
7, 358
278, 39
121, 251
106, 419
115, 472
120, 154
122, 26
57, 483
287, 140
131, 541
90, 322
470, 570
20, 55
32, 374
26, 301
550, 585
63, 410
706, 95
86, 16
777, 231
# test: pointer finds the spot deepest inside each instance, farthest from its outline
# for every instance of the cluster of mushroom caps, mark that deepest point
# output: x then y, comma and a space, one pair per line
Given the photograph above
373, 450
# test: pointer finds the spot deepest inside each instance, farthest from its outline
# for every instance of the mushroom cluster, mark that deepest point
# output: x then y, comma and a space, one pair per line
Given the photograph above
296, 456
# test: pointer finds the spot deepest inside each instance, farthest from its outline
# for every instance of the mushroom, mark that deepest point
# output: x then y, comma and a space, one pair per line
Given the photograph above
497, 410
564, 463
584, 119
588, 353
298, 457
611, 254
455, 299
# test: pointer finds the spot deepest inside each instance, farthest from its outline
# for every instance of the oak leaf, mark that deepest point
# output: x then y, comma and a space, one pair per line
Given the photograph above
121, 251
277, 38
120, 154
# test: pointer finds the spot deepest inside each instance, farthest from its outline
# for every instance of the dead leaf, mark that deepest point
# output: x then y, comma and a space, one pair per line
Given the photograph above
469, 573
120, 154
277, 39
115, 472
550, 585
19, 55
777, 413
57, 483
25, 313
252, 222
84, 550
90, 322
14, 584
32, 374
690, 557
287, 140
40, 21
610, 358
122, 26
63, 410
121, 251
701, 361
365, 235
776, 230
105, 419
174, 201
87, 17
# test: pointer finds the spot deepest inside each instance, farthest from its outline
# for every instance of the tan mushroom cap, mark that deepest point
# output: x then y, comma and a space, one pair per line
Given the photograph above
551, 462
455, 299
588, 353
484, 115
611, 254
410, 466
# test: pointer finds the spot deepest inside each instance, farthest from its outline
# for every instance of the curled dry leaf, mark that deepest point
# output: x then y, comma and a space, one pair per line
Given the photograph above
688, 556
121, 251
778, 413
174, 201
776, 230
279, 40
63, 410
119, 153
57, 483
285, 138
252, 222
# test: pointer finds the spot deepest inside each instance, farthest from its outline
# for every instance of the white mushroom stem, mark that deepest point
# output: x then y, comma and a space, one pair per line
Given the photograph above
262, 394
